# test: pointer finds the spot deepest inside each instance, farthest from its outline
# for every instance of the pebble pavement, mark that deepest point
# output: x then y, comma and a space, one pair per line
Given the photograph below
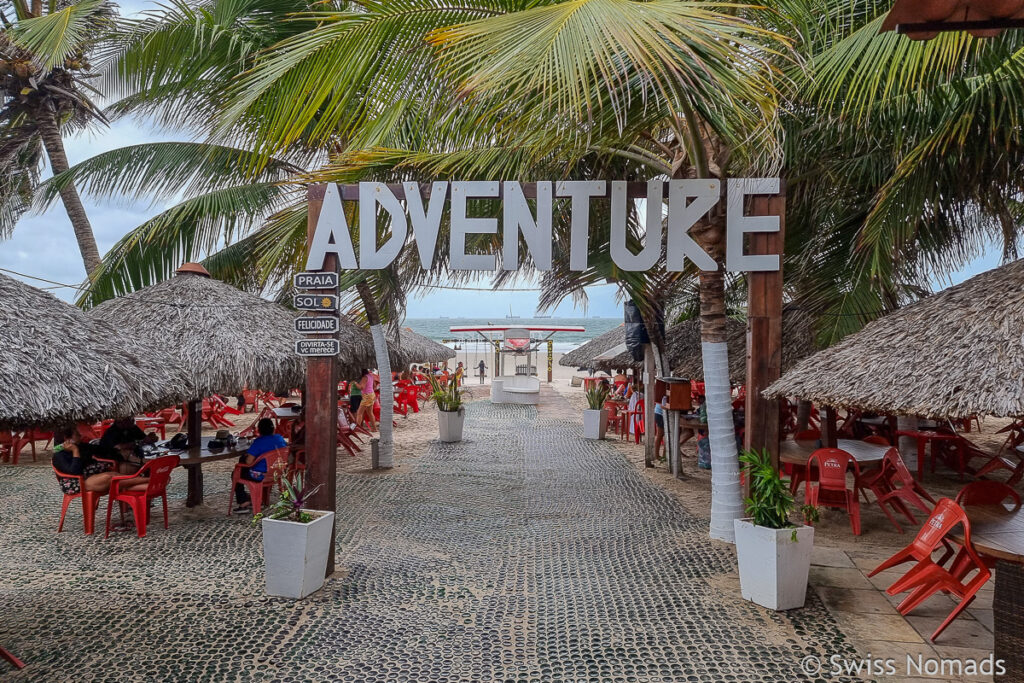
524, 553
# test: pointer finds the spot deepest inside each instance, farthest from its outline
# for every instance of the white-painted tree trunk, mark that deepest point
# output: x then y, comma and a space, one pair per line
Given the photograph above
387, 397
906, 445
726, 494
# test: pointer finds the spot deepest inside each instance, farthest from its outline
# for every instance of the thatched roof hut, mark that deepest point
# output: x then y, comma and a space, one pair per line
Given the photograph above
58, 365
956, 353
221, 338
583, 356
684, 354
415, 348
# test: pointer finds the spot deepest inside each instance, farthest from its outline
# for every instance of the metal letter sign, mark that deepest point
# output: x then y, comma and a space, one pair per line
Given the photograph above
315, 280
319, 324
317, 347
315, 302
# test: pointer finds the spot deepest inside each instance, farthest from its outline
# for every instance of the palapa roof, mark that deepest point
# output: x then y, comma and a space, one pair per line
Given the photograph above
956, 353
221, 338
58, 365
684, 347
583, 356
415, 348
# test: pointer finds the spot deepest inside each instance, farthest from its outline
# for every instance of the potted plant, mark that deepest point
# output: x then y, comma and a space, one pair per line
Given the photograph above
774, 555
595, 419
451, 414
296, 541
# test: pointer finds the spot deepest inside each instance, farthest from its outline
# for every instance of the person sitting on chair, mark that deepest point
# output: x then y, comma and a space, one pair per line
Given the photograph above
119, 441
73, 455
255, 471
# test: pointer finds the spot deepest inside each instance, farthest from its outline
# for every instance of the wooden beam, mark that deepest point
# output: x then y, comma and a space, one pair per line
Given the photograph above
321, 403
829, 428
194, 431
764, 331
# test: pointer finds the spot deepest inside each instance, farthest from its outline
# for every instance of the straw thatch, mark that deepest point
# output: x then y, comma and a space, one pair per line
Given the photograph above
221, 338
956, 353
58, 365
683, 350
415, 348
583, 357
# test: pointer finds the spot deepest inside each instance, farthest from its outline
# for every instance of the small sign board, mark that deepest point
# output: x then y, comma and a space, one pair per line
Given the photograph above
315, 302
315, 280
317, 347
317, 324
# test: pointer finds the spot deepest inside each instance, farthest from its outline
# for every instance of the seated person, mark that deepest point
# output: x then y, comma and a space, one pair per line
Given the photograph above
255, 471
119, 441
73, 455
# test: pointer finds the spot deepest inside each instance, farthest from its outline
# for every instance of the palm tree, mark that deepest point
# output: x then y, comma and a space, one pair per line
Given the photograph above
44, 86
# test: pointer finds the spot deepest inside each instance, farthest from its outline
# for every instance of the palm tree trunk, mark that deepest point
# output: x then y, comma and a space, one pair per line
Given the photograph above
54, 145
386, 444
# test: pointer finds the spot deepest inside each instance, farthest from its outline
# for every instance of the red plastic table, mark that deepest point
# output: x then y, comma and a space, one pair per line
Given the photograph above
922, 437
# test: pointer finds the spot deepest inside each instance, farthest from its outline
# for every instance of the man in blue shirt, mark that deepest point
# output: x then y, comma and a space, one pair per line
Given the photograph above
266, 441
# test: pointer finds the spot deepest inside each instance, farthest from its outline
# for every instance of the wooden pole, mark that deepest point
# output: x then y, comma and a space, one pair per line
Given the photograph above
649, 401
551, 357
194, 431
321, 403
829, 428
764, 331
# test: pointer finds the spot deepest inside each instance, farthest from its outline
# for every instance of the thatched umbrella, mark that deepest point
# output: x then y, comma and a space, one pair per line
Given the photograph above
415, 348
583, 356
58, 365
684, 355
956, 353
222, 338
684, 345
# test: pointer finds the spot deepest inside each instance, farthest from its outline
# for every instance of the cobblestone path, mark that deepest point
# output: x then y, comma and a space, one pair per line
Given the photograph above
523, 553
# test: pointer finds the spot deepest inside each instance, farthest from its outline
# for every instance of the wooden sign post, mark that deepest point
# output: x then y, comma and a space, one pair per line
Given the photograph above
764, 330
321, 399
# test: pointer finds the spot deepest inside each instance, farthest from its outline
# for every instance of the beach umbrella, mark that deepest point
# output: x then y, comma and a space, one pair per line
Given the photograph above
584, 356
956, 353
415, 348
59, 365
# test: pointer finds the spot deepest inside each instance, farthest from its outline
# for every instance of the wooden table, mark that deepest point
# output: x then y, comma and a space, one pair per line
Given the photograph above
999, 532
192, 460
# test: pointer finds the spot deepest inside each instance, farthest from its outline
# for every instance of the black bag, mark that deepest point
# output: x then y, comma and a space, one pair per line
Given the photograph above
636, 331
178, 442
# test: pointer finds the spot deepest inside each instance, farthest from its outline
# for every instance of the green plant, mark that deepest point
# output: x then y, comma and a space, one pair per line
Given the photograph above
770, 503
447, 397
294, 497
596, 396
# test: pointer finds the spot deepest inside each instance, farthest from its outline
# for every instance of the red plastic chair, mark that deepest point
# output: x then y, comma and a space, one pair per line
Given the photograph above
826, 483
635, 418
259, 491
987, 493
90, 499
928, 577
877, 439
11, 445
159, 471
894, 485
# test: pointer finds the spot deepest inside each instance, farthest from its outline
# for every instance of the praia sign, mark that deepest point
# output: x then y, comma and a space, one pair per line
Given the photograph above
667, 224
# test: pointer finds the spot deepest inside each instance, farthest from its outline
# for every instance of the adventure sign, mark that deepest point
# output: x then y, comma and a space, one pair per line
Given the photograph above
319, 324
317, 347
669, 210
315, 302
315, 280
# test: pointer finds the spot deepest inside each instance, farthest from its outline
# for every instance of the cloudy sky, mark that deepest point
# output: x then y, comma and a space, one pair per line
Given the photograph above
43, 246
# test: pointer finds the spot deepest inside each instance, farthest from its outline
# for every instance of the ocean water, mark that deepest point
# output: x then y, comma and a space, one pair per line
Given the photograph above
438, 329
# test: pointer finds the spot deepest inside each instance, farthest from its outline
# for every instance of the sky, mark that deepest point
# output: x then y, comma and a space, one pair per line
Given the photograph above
44, 246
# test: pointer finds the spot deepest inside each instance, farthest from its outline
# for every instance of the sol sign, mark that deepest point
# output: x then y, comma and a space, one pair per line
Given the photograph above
688, 202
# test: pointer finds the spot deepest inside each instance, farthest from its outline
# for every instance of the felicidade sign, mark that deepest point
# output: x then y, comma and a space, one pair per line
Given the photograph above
688, 202
318, 324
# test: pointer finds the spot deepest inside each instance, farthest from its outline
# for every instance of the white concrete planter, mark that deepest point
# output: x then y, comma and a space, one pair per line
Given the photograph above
295, 554
773, 567
450, 424
595, 423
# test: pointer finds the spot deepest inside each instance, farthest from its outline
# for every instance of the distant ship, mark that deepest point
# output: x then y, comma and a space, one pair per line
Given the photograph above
542, 317
510, 316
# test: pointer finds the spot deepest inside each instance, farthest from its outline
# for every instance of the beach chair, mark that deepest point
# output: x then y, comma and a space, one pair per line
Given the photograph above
259, 491
826, 483
894, 486
159, 471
